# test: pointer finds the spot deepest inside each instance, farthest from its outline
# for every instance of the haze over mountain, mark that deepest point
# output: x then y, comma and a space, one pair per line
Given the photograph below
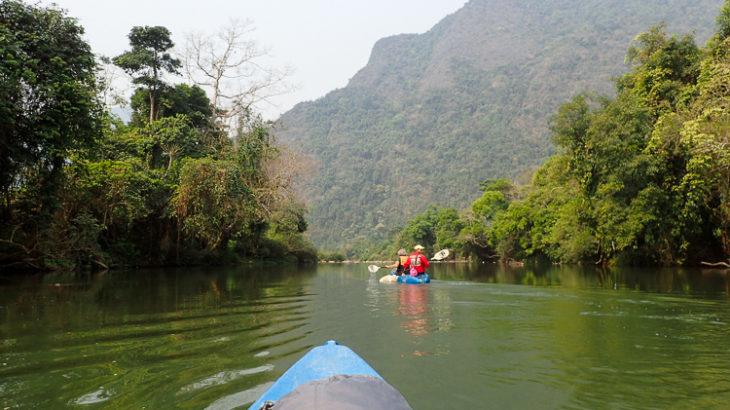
431, 115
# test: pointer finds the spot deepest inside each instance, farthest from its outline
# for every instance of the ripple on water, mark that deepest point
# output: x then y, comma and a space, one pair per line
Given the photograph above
637, 302
225, 377
98, 396
603, 314
481, 303
688, 318
8, 342
236, 400
530, 294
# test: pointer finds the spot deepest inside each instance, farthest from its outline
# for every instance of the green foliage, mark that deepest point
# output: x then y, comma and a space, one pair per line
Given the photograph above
287, 228
723, 22
48, 103
81, 189
253, 149
213, 202
435, 229
668, 65
331, 257
148, 61
495, 197
116, 192
182, 99
172, 138
631, 198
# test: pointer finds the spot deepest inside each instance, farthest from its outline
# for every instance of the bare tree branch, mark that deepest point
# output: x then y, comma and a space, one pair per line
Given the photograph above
109, 79
229, 66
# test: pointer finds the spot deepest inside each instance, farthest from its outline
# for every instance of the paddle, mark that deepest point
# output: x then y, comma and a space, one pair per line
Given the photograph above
374, 268
439, 256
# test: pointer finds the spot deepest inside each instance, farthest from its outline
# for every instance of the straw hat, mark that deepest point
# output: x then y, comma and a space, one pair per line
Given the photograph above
419, 248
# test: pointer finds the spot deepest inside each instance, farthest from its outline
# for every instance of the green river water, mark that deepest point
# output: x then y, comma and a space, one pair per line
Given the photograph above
478, 337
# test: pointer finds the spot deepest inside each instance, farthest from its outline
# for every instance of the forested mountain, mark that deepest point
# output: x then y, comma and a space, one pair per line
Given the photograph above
432, 115
641, 178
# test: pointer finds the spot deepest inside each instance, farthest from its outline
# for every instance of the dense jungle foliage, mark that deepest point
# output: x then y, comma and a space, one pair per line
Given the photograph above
639, 178
81, 188
433, 114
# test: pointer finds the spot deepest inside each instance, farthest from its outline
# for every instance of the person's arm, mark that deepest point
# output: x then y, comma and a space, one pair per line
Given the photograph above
395, 265
407, 264
424, 261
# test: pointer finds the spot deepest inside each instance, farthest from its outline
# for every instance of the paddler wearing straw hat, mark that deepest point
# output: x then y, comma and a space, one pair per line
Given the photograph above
417, 263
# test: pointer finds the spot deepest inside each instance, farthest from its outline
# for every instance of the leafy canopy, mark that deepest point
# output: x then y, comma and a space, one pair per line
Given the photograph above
48, 102
148, 58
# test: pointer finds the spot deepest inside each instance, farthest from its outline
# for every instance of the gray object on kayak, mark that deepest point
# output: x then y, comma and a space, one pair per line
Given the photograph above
344, 393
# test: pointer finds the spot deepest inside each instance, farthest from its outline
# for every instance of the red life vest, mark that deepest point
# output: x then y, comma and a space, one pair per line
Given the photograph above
418, 262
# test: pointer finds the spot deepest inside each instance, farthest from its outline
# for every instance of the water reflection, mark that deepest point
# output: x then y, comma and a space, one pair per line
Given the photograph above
707, 282
413, 308
152, 337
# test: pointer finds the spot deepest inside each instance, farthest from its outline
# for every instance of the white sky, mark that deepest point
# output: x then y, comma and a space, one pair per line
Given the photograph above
324, 41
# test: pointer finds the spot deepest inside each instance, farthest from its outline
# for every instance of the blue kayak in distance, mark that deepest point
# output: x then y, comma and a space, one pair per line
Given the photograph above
414, 280
330, 377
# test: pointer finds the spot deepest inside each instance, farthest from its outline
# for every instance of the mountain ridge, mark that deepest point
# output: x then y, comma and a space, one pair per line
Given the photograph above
432, 114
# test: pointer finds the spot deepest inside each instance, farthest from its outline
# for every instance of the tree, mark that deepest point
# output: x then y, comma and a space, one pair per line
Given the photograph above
723, 21
706, 139
436, 228
48, 102
663, 68
496, 195
229, 65
184, 99
148, 61
214, 204
173, 139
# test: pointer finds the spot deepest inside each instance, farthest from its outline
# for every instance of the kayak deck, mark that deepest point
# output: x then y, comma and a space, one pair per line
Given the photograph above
319, 363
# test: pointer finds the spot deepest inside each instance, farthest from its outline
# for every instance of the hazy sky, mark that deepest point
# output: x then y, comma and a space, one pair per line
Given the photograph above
324, 41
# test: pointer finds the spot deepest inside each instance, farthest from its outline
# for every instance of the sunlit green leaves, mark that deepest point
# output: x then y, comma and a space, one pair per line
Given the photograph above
642, 178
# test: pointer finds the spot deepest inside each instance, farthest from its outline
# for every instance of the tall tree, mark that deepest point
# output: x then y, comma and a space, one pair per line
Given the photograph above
723, 22
148, 60
48, 102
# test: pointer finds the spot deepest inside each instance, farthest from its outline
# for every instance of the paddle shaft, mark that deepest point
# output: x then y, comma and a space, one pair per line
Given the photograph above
375, 268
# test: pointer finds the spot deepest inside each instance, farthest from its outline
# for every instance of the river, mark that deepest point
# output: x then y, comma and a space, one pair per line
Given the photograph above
477, 337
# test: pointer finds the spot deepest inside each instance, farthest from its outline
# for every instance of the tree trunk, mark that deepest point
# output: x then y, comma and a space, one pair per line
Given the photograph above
153, 89
5, 213
152, 104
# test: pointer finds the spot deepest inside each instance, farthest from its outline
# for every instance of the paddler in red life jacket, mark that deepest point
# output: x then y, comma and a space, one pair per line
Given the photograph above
417, 261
